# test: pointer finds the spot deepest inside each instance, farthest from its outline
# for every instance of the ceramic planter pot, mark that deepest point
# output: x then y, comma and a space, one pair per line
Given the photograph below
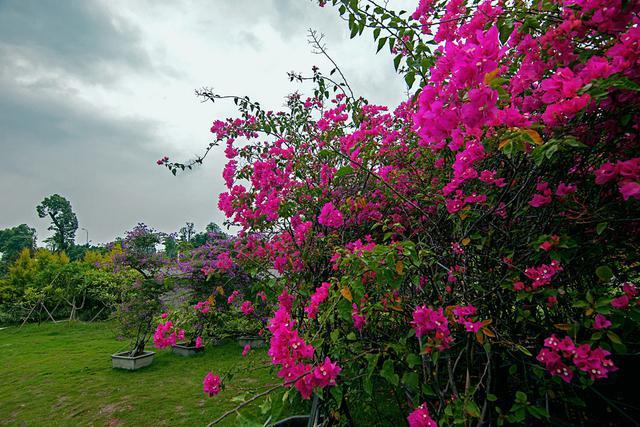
314, 419
187, 350
254, 342
124, 361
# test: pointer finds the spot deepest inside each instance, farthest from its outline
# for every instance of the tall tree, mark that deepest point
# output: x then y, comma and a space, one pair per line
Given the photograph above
187, 232
64, 222
13, 240
170, 245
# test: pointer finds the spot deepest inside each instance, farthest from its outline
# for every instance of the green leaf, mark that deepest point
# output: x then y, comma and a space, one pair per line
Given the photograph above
524, 350
604, 273
413, 360
396, 61
381, 43
344, 309
614, 337
367, 385
411, 379
472, 409
343, 171
601, 227
537, 412
372, 360
410, 78
428, 391
388, 373
336, 392
521, 397
354, 31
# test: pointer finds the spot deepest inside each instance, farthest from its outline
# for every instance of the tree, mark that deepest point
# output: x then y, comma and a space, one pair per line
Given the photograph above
170, 245
187, 232
64, 222
12, 241
212, 232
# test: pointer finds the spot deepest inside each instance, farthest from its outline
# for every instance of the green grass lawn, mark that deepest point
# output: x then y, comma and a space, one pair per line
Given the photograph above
60, 374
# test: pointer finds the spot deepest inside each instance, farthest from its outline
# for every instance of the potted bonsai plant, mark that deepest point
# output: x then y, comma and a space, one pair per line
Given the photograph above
184, 329
247, 322
141, 298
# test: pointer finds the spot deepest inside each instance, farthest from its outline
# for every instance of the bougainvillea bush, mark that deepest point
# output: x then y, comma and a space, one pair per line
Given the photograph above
470, 256
140, 300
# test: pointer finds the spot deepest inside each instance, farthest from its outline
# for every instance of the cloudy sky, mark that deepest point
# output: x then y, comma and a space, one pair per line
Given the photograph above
93, 92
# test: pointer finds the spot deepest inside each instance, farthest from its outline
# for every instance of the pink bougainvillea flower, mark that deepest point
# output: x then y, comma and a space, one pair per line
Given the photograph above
223, 262
564, 190
231, 297
330, 216
601, 322
605, 173
325, 374
198, 342
539, 200
630, 289
245, 350
358, 319
319, 296
247, 308
420, 417
558, 354
427, 321
629, 188
546, 246
621, 302
165, 336
211, 384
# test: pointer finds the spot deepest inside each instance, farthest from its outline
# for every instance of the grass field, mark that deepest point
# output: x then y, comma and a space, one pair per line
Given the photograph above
60, 374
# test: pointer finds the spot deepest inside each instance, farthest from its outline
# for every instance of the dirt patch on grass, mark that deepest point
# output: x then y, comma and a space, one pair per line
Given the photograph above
60, 402
114, 422
112, 408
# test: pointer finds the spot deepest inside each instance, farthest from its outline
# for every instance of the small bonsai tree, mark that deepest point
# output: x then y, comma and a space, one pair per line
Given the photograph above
141, 300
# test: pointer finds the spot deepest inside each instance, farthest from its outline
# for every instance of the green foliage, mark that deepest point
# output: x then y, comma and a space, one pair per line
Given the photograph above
13, 241
64, 222
77, 290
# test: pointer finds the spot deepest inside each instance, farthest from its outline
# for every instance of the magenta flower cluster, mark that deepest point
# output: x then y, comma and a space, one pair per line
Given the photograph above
557, 354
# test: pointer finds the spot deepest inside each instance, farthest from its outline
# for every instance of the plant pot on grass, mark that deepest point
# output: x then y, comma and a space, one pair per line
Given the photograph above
311, 420
140, 297
125, 361
294, 421
186, 350
253, 341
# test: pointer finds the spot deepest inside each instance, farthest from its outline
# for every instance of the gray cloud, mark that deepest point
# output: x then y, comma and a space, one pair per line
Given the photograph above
93, 92
77, 36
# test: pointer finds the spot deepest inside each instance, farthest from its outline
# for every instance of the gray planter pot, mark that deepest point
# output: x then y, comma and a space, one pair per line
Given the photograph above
294, 421
186, 351
124, 361
254, 342
314, 419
